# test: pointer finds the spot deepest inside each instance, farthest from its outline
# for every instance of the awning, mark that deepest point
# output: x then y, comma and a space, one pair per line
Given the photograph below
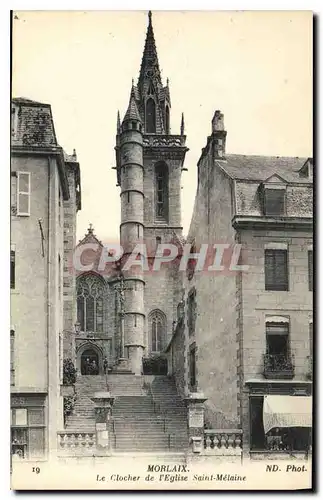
287, 411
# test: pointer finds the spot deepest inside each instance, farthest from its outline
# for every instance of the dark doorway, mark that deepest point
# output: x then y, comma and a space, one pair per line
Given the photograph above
89, 362
257, 426
154, 366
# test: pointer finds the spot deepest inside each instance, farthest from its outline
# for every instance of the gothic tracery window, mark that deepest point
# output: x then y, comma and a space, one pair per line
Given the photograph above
157, 331
161, 188
90, 290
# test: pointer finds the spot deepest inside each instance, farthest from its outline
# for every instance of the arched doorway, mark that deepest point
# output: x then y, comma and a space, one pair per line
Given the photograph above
89, 362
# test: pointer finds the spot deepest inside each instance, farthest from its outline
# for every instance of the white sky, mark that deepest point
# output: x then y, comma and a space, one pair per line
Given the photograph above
256, 67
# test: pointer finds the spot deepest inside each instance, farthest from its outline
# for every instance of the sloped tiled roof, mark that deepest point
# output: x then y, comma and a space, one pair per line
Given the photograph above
132, 111
24, 100
34, 125
260, 168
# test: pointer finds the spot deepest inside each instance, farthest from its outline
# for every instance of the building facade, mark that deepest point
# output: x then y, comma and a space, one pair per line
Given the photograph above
41, 188
247, 331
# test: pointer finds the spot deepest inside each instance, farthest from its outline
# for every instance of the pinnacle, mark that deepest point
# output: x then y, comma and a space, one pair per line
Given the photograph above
132, 111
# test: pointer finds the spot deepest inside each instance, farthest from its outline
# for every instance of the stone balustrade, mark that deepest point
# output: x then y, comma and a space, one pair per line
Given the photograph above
164, 140
223, 441
76, 443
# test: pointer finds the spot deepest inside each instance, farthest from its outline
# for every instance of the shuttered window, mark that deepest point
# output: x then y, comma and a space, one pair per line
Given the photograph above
23, 193
276, 270
310, 270
274, 202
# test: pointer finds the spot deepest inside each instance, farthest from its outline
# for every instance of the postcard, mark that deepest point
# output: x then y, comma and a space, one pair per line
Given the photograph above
161, 259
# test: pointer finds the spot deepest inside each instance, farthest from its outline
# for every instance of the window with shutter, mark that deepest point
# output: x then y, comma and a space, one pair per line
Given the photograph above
310, 270
276, 270
274, 202
23, 193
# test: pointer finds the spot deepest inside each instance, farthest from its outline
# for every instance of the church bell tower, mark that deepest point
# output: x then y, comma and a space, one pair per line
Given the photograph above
149, 166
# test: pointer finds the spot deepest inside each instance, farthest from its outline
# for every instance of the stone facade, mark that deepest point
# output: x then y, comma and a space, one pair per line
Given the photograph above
233, 307
40, 189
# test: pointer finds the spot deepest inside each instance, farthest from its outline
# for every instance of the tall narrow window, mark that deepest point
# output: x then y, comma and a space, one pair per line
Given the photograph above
276, 270
167, 119
59, 277
90, 291
150, 116
192, 367
12, 268
157, 322
12, 357
310, 270
277, 357
311, 339
161, 191
23, 193
191, 311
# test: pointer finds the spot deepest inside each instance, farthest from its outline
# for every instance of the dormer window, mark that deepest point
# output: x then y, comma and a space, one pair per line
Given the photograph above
274, 197
274, 202
307, 169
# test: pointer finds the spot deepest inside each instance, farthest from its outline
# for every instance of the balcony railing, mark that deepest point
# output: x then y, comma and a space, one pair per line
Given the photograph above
278, 366
76, 443
223, 441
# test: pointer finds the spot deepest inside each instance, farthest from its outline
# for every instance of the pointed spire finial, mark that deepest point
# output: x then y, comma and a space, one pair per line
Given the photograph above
118, 122
149, 69
90, 228
132, 82
182, 125
167, 82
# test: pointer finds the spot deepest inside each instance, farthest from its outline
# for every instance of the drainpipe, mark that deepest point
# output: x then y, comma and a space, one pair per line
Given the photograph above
48, 296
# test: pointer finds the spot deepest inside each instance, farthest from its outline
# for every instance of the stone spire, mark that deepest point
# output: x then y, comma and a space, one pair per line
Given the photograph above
118, 123
182, 125
149, 69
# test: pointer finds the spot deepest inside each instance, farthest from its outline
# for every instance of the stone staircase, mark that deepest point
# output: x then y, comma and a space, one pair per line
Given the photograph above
147, 415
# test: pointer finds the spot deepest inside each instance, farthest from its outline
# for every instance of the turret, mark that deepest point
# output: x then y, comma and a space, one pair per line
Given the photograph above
131, 232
